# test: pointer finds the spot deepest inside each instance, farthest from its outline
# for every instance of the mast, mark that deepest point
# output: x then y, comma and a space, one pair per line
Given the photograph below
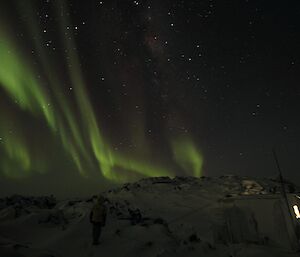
284, 194
281, 178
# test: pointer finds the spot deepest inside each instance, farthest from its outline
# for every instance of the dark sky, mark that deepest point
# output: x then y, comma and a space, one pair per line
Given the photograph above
100, 92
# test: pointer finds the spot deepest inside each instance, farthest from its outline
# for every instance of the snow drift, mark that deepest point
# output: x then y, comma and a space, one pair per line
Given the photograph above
155, 217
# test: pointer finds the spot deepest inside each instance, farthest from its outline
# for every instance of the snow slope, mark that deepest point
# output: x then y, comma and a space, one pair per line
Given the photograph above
154, 217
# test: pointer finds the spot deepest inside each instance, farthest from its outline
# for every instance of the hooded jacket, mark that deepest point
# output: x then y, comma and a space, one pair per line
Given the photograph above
98, 213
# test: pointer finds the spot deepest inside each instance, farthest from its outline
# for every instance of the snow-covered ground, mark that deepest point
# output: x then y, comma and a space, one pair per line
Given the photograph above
154, 217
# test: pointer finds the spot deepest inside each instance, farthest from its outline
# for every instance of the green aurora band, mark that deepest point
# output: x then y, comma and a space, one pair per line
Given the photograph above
76, 129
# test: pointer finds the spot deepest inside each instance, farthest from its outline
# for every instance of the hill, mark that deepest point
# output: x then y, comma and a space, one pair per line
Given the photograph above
155, 217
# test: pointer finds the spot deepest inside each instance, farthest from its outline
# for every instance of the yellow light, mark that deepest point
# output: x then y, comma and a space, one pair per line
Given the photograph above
296, 211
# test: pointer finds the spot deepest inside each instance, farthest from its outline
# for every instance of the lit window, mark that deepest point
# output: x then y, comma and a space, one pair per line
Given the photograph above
296, 211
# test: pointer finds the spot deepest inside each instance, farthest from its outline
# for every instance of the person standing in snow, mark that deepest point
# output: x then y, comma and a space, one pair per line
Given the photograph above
98, 218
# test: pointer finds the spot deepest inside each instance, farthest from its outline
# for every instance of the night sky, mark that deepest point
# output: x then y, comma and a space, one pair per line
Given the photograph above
94, 93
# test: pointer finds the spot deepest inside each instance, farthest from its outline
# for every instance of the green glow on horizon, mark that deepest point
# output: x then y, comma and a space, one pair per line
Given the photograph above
18, 155
108, 160
67, 128
20, 82
76, 129
187, 156
18, 161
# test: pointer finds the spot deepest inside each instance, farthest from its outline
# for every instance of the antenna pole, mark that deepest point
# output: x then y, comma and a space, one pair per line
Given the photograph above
280, 174
284, 194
